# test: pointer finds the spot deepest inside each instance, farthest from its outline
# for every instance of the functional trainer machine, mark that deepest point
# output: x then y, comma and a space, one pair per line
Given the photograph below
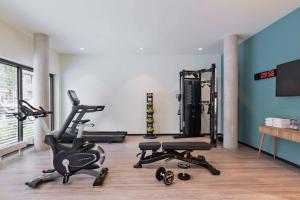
80, 158
191, 104
69, 129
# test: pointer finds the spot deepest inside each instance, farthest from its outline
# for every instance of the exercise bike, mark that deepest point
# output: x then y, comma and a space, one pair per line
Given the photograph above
80, 158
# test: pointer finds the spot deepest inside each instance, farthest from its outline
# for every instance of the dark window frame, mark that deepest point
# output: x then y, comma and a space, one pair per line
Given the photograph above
20, 96
51, 93
20, 68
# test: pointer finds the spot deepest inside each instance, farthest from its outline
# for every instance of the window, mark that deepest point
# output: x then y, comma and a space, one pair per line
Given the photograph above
28, 125
8, 103
16, 83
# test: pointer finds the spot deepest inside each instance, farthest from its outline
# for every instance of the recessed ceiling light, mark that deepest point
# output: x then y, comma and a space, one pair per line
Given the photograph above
141, 48
200, 49
81, 48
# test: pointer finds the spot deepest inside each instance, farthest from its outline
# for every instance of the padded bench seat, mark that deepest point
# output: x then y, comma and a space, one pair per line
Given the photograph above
175, 150
175, 146
149, 146
186, 146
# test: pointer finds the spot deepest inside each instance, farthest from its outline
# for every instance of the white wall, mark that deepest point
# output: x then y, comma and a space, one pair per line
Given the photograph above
121, 82
17, 46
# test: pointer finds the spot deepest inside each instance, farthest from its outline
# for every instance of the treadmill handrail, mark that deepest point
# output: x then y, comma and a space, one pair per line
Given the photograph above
67, 122
89, 108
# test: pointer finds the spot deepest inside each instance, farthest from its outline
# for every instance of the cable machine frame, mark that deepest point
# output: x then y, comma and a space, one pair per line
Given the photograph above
213, 102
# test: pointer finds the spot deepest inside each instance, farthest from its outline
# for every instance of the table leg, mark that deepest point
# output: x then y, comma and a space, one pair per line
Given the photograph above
274, 148
261, 144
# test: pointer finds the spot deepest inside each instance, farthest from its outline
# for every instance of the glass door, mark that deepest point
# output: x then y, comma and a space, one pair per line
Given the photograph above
28, 125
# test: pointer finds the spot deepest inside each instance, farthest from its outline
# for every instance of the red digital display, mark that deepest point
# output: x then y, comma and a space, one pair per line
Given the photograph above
266, 74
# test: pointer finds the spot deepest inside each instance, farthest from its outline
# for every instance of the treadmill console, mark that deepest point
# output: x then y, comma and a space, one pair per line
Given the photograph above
73, 97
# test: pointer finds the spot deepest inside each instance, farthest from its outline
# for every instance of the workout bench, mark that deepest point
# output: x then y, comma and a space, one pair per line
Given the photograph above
170, 150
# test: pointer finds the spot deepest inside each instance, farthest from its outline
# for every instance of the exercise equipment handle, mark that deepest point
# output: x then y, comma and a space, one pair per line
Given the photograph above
92, 108
27, 110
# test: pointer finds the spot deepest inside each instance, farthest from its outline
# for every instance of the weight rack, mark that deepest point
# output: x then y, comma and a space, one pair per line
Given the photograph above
149, 117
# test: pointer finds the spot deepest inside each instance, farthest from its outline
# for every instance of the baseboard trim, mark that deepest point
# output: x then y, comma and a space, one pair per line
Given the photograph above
157, 134
15, 152
6, 149
167, 134
269, 154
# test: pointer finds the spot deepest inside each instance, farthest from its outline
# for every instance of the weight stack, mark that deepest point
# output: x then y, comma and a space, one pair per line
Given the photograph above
149, 115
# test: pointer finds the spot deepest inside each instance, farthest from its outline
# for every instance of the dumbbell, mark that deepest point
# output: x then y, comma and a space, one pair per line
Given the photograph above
183, 175
166, 176
150, 129
149, 103
150, 111
149, 120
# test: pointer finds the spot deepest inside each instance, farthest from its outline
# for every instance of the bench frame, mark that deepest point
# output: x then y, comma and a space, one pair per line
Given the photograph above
168, 155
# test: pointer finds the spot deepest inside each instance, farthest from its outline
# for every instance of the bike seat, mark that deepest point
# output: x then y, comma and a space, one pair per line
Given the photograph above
149, 146
189, 146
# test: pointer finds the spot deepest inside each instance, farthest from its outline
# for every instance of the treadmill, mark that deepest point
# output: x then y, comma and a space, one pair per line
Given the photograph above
69, 129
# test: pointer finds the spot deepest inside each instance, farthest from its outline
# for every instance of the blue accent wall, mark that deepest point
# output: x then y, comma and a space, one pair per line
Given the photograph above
276, 44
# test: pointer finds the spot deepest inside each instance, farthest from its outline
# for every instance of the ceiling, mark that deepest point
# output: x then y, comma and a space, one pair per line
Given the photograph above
158, 26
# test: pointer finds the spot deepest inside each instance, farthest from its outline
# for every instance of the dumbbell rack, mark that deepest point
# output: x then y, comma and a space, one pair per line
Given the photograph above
149, 119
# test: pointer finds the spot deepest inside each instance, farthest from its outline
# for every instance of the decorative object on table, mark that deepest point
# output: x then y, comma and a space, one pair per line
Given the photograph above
294, 124
278, 122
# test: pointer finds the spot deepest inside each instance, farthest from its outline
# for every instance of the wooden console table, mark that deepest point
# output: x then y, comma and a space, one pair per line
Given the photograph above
288, 134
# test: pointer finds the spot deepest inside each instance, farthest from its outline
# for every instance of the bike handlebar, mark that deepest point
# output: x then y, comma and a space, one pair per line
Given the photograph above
27, 110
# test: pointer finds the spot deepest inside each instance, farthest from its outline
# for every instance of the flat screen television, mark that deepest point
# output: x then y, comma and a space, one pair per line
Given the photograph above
288, 79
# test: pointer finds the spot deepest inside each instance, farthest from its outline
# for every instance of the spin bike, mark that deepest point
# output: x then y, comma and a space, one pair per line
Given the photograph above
80, 158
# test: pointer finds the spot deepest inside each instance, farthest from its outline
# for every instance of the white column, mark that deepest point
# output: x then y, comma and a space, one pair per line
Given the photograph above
40, 84
230, 140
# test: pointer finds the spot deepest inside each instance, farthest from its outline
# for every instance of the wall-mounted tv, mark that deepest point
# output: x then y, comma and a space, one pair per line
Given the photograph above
288, 79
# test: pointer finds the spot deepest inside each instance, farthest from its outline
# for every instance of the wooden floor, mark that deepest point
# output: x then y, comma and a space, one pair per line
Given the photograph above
242, 177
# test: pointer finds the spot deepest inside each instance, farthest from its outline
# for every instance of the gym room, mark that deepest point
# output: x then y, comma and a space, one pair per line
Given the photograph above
150, 99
